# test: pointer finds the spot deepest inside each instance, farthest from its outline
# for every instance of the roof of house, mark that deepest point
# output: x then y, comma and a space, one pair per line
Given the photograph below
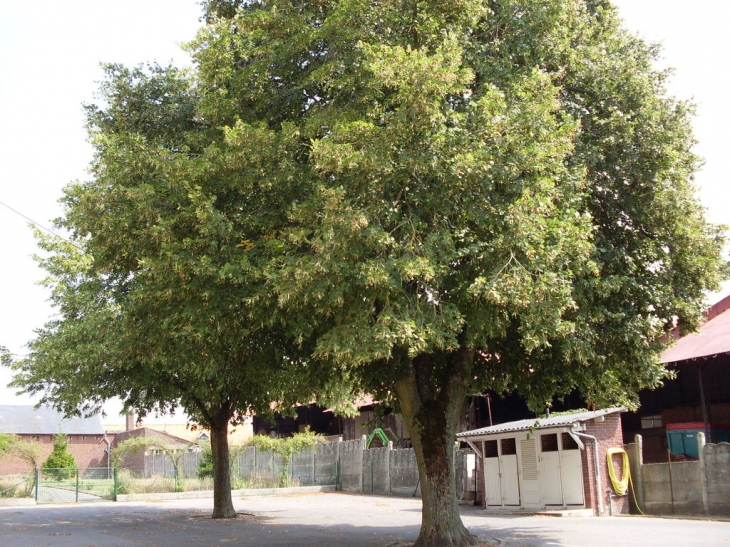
28, 420
184, 431
150, 433
236, 434
564, 420
713, 337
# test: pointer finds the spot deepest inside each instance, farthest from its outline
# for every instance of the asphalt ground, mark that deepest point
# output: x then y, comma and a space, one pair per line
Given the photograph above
326, 520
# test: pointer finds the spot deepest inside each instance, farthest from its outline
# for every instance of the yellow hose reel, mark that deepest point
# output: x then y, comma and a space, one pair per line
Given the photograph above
620, 486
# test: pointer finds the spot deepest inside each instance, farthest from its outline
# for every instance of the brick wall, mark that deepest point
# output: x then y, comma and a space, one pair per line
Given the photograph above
89, 451
134, 461
609, 435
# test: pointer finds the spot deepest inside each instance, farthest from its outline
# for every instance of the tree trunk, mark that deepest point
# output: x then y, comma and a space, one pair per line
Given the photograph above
432, 418
222, 500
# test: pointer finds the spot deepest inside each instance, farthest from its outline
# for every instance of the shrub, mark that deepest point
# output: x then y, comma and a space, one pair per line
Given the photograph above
286, 448
16, 486
61, 464
205, 464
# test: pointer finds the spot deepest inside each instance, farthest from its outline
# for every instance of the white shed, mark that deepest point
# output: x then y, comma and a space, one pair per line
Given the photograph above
547, 463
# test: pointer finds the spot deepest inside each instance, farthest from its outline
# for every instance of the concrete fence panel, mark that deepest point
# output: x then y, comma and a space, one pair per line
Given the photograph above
246, 463
657, 489
157, 465
301, 468
376, 471
161, 464
683, 488
189, 464
269, 465
717, 469
685, 479
404, 473
326, 461
351, 458
672, 488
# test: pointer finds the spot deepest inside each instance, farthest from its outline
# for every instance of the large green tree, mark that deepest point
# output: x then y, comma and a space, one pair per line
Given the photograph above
149, 308
426, 198
479, 194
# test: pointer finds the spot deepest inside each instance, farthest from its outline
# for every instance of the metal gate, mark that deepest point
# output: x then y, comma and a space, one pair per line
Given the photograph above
73, 485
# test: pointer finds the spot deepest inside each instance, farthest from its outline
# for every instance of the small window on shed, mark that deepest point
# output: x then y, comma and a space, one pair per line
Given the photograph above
569, 442
549, 442
509, 447
650, 422
490, 449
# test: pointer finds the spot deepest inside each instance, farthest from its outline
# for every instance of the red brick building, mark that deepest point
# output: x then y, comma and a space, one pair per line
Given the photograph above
550, 463
137, 461
87, 441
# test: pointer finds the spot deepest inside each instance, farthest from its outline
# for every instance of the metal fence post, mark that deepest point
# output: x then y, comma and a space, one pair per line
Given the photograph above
116, 483
37, 480
77, 485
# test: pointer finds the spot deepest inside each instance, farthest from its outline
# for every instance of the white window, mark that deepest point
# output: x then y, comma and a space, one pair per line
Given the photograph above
650, 422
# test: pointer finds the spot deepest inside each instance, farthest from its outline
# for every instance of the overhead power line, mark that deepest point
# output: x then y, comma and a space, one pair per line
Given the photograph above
38, 225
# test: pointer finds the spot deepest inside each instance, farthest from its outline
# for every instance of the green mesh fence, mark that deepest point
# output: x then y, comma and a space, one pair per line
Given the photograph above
75, 485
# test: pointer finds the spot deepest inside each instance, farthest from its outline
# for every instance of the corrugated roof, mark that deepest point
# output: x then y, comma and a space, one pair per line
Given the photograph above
713, 338
540, 423
28, 420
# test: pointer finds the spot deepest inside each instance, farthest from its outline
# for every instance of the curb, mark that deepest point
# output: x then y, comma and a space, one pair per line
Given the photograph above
17, 502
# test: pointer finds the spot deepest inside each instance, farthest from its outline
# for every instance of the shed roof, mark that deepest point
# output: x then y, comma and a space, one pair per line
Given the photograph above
563, 420
713, 337
28, 420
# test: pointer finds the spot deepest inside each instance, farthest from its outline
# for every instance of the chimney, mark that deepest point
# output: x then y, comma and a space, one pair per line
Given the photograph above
129, 421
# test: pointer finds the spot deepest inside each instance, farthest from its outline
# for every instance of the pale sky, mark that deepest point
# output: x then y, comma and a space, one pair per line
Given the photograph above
50, 53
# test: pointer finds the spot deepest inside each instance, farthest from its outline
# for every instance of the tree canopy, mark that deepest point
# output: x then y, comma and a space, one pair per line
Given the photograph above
421, 198
477, 194
149, 309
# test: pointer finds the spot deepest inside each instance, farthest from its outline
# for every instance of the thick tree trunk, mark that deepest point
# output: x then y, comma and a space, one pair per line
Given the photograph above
432, 418
222, 499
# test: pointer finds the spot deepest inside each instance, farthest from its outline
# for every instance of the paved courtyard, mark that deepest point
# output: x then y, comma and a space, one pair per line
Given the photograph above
325, 520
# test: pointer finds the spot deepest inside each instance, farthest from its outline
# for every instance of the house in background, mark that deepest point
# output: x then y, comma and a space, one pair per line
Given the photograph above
137, 462
87, 441
164, 437
183, 430
549, 463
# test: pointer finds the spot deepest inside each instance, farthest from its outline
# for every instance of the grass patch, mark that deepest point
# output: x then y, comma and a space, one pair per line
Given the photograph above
16, 486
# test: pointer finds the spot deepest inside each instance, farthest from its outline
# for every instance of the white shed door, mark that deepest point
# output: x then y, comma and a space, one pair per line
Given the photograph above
550, 478
492, 482
572, 482
510, 481
530, 474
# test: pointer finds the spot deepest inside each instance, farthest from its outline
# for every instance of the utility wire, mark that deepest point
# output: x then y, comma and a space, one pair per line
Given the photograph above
38, 225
